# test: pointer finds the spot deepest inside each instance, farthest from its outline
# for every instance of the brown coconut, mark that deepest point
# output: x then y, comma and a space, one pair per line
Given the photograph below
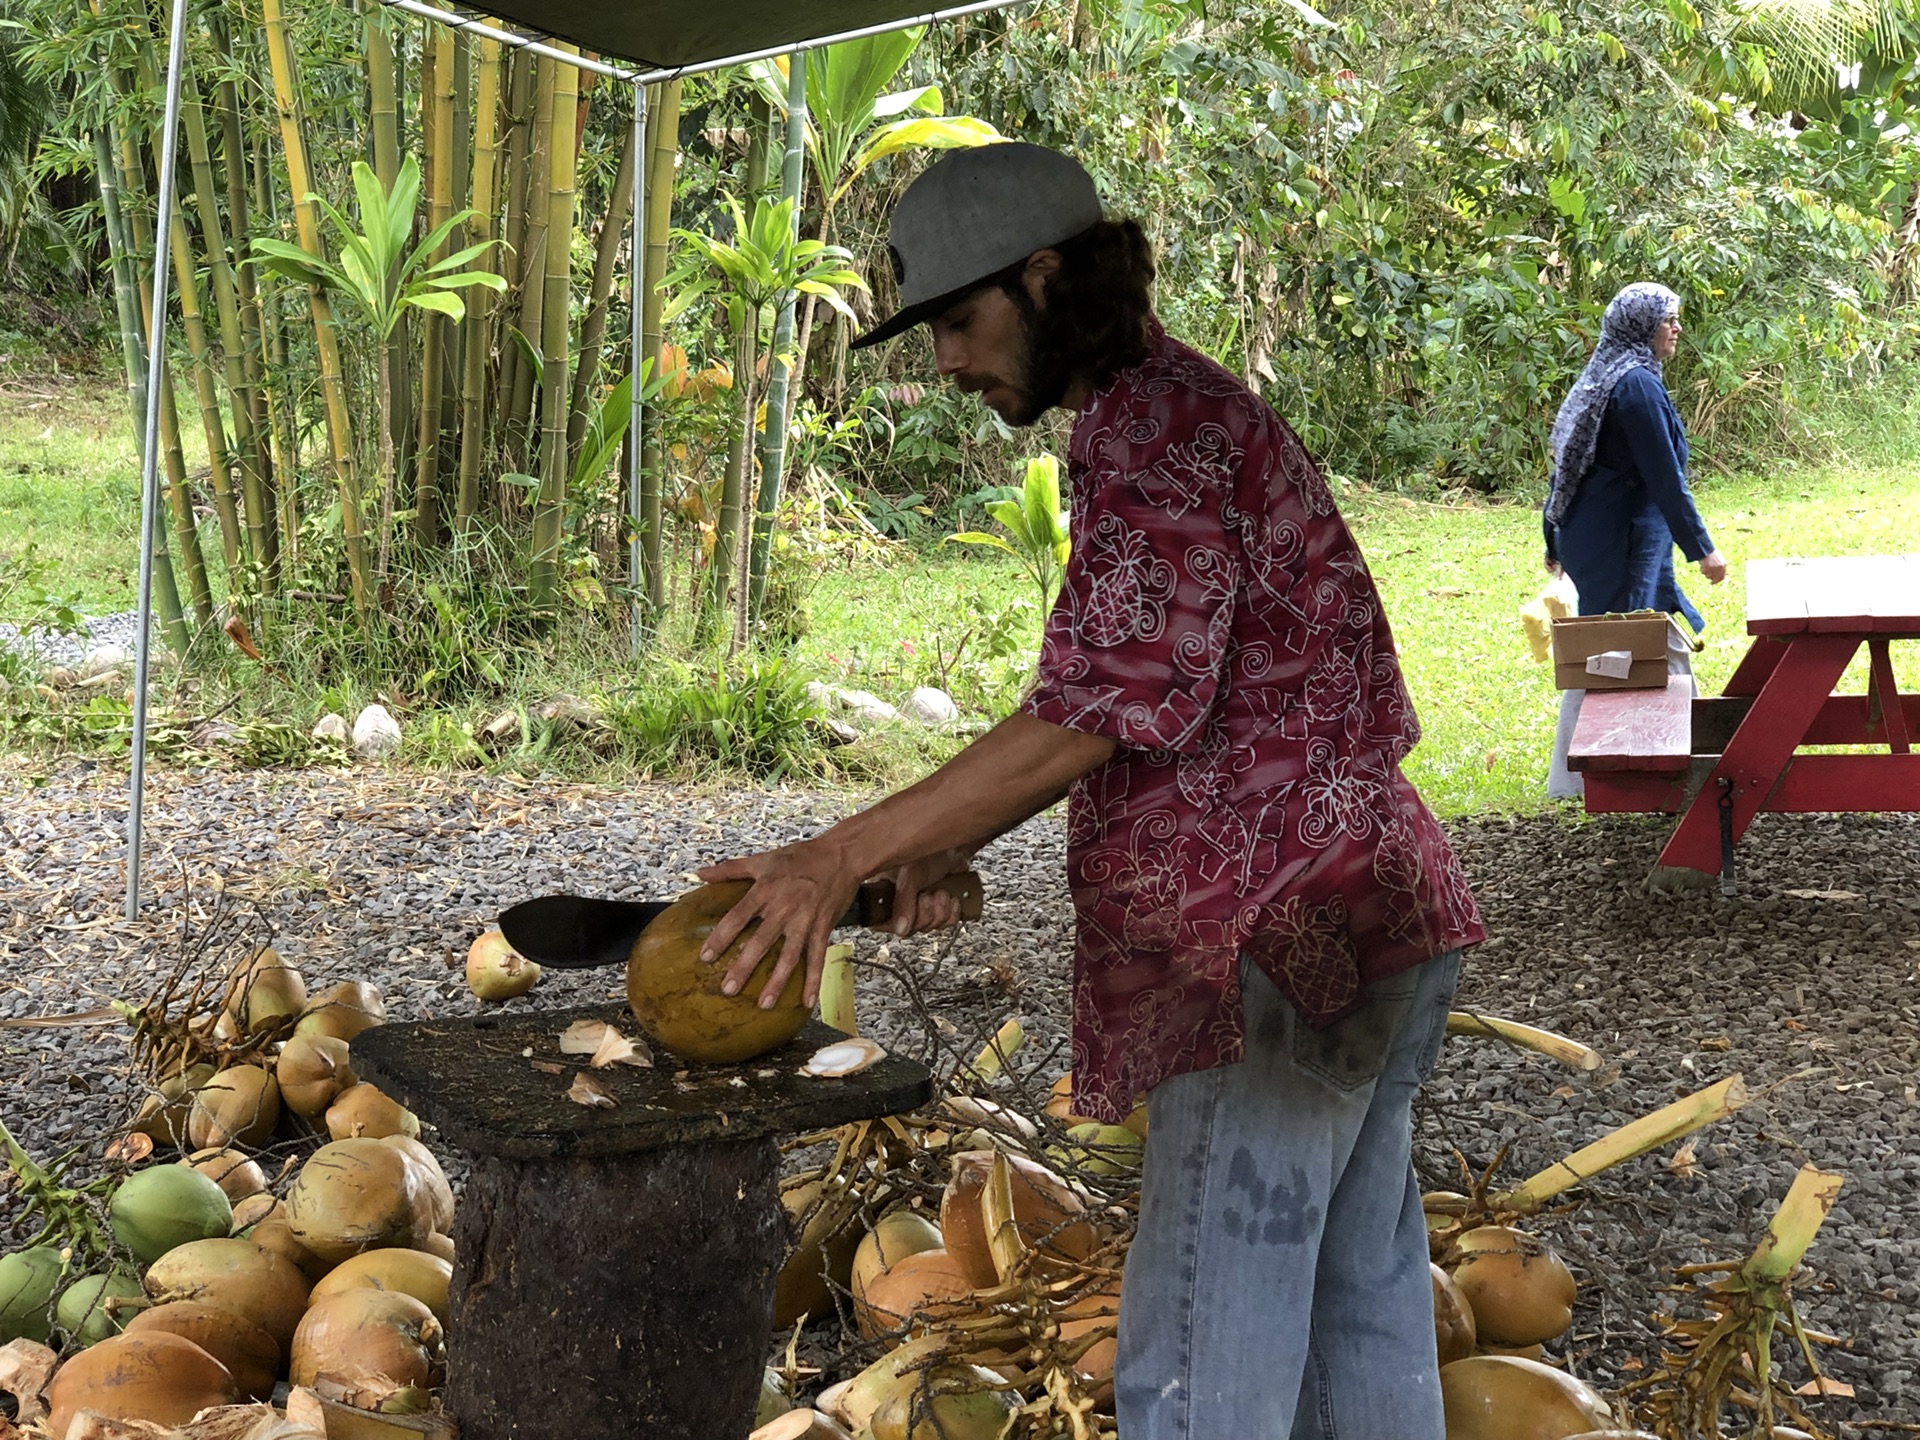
1499, 1397
404, 1272
1097, 1311
1045, 1212
163, 1116
259, 1285
265, 991
497, 971
251, 1356
1453, 1328
312, 1071
929, 1286
356, 1195
1520, 1291
273, 1233
895, 1236
342, 1011
366, 1112
362, 1333
238, 1175
435, 1190
1648, 1435
436, 1244
676, 996
158, 1377
236, 1108
254, 1209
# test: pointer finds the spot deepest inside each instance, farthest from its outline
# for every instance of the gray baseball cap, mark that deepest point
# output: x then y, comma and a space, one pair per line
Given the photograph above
971, 214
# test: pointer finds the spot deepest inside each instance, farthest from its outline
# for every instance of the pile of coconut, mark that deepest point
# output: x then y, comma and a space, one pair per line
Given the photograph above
227, 1271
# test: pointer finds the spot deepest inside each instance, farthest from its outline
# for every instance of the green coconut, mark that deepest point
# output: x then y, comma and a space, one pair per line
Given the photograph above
28, 1279
167, 1205
96, 1306
1099, 1149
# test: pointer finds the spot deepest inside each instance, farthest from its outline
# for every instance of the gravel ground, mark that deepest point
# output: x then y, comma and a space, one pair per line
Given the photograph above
1804, 982
117, 630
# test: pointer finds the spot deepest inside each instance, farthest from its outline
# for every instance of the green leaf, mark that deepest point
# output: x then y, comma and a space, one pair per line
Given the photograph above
975, 537
531, 355
921, 132
445, 304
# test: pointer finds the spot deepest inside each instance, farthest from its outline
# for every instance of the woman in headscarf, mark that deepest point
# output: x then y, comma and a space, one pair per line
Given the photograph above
1619, 501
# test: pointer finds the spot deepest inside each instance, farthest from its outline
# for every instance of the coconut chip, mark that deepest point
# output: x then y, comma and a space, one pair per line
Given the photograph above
588, 1091
617, 1049
843, 1057
583, 1037
26, 1367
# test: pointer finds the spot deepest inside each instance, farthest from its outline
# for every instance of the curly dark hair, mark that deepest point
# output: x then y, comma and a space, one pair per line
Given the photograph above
1098, 319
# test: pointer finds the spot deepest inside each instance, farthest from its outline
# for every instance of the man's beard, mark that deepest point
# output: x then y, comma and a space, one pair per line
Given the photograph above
1047, 371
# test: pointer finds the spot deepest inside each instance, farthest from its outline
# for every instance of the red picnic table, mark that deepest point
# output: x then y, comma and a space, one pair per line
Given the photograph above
1719, 761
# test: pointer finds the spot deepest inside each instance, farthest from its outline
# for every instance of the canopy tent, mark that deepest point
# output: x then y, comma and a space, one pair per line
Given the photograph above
660, 39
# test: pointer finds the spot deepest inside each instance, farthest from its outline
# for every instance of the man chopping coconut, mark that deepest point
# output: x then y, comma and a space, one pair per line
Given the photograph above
1269, 921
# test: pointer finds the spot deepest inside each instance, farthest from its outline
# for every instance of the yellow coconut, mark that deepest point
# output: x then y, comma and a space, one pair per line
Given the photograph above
440, 1245
436, 1192
822, 1254
928, 1286
962, 1402
1453, 1327
265, 991
676, 996
356, 1195
365, 1112
163, 1116
365, 1332
342, 1011
157, 1377
259, 1285
405, 1272
497, 971
1524, 1352
1099, 1149
801, 1425
237, 1107
1498, 1397
1648, 1435
1097, 1311
312, 1070
852, 1402
254, 1209
1045, 1210
250, 1355
274, 1234
895, 1236
1520, 1291
237, 1174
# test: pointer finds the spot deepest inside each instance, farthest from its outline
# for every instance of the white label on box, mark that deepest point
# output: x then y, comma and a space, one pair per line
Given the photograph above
1614, 664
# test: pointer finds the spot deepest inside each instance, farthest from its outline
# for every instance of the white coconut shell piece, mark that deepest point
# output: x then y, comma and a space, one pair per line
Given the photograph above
583, 1037
588, 1091
618, 1049
843, 1057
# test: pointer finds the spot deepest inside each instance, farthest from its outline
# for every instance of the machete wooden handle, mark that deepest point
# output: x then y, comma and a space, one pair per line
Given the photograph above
873, 905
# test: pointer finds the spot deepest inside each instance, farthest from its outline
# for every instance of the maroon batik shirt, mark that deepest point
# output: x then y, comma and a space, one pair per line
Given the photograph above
1217, 621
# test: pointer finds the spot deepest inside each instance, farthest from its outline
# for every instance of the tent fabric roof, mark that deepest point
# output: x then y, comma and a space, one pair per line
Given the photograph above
683, 34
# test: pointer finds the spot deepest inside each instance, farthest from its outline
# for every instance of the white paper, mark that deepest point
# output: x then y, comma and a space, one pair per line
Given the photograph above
1614, 664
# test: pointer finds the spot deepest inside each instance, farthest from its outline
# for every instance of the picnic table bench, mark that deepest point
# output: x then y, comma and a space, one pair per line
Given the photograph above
1719, 761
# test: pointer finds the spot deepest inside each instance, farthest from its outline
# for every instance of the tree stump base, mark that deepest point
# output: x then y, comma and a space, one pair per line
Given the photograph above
615, 1266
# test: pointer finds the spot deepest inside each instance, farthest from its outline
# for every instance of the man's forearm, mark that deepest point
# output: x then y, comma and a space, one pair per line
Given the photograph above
1013, 772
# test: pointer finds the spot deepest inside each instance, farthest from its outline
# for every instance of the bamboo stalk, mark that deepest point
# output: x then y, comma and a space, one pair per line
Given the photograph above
1810, 1199
473, 419
326, 342
663, 145
383, 110
133, 349
1527, 1037
533, 268
438, 143
282, 423
549, 510
246, 450
517, 185
593, 328
1635, 1138
186, 280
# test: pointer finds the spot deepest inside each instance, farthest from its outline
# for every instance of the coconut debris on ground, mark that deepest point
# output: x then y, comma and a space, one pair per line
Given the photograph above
1804, 981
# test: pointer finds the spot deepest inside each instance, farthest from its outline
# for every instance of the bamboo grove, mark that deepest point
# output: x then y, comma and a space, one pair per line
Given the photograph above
401, 287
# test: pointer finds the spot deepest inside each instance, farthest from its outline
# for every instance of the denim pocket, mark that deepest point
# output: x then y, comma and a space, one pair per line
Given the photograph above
1444, 972
1353, 1052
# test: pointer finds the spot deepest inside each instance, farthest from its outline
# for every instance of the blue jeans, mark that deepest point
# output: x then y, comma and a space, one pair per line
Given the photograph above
1277, 1288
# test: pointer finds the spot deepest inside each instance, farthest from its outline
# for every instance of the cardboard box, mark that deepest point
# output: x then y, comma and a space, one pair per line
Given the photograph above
1642, 634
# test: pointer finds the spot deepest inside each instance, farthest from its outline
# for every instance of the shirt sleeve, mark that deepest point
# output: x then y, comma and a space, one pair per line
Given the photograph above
1642, 407
1135, 648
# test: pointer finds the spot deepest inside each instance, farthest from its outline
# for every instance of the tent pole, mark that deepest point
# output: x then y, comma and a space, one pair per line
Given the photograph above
642, 622
150, 450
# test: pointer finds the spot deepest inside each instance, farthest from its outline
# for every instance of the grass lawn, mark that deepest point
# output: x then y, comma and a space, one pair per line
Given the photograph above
1454, 578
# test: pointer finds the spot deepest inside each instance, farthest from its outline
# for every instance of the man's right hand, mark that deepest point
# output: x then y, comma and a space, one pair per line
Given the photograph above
1714, 567
917, 907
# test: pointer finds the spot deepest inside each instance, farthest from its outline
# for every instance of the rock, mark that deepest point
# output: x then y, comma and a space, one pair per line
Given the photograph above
866, 708
212, 733
330, 727
103, 660
375, 733
820, 696
568, 712
931, 705
61, 676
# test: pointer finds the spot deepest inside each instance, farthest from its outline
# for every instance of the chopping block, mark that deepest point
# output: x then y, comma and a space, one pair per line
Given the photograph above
615, 1266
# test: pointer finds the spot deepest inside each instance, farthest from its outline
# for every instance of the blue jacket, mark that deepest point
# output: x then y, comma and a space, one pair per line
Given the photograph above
1633, 508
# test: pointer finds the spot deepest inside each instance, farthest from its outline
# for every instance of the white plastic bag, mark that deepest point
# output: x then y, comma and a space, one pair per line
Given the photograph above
1556, 600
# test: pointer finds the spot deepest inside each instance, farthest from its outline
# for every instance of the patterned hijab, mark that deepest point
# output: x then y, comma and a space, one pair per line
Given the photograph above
1626, 341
